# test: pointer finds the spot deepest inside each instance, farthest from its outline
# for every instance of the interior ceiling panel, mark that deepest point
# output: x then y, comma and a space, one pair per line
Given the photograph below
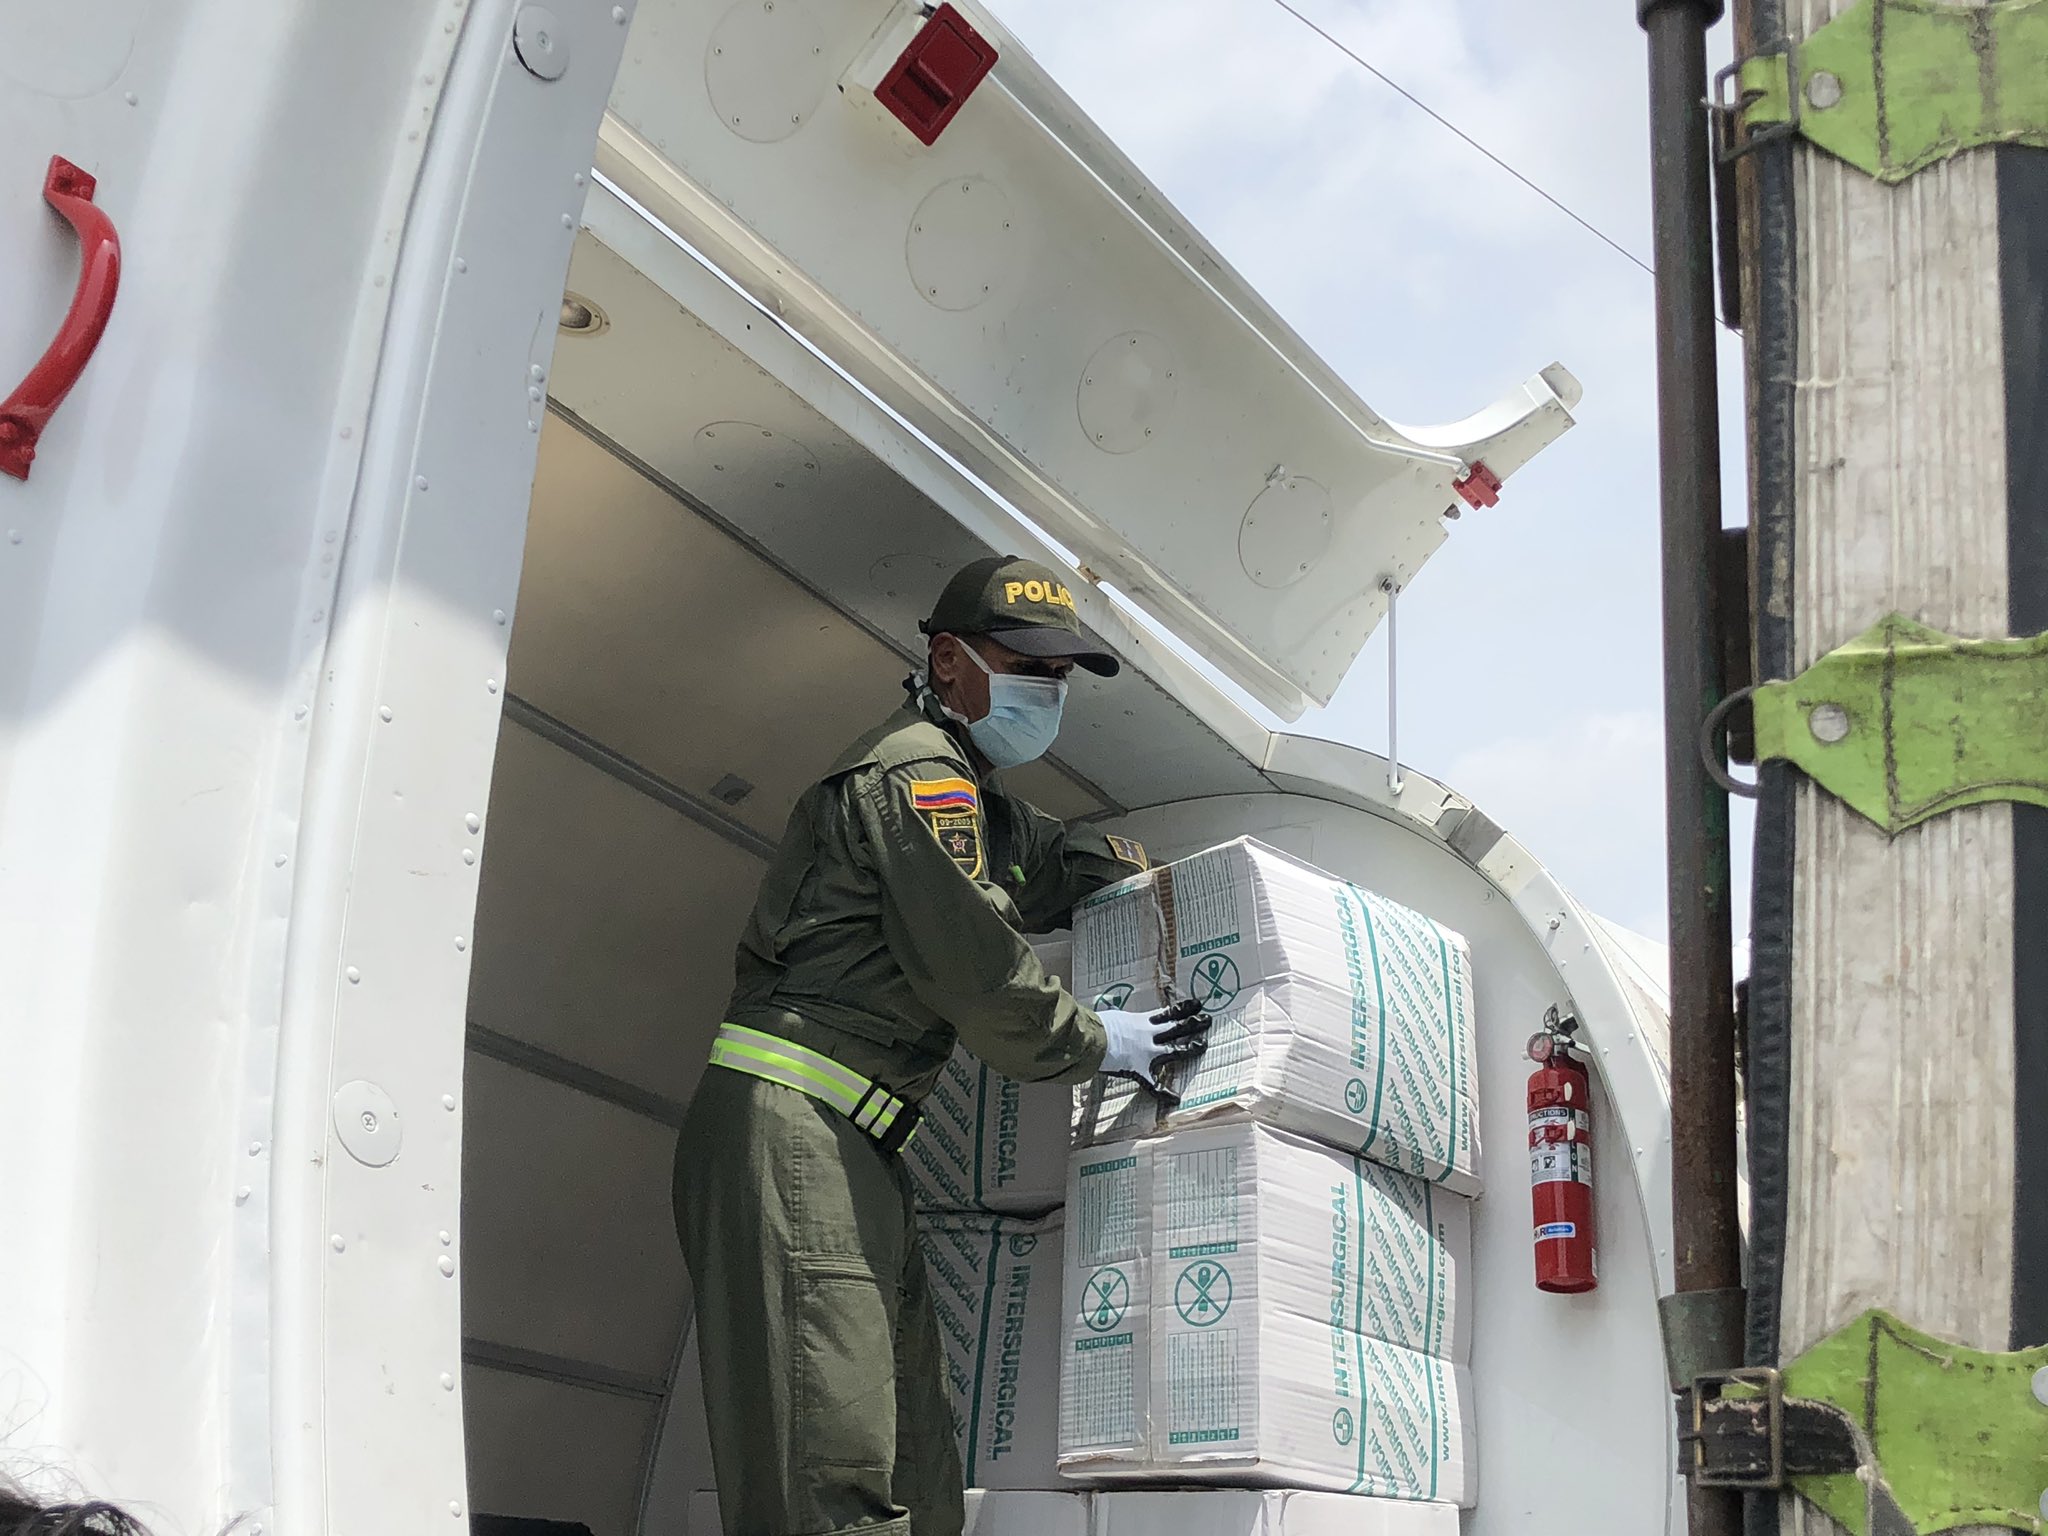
1051, 791
650, 629
654, 630
569, 1246
605, 921
544, 1451
672, 393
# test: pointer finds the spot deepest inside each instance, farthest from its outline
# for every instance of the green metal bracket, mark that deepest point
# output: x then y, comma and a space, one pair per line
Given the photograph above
1956, 1436
1893, 86
1905, 722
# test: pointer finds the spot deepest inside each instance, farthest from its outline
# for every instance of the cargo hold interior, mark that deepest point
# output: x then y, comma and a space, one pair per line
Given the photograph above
721, 590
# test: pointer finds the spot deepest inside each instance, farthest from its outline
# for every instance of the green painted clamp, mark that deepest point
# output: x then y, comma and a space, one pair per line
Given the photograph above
1905, 722
1893, 86
1891, 1431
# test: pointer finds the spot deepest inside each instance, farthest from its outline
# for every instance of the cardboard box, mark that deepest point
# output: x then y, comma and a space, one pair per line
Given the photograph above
1339, 1014
988, 1143
996, 1287
1011, 1513
1233, 1512
988, 1514
1248, 1306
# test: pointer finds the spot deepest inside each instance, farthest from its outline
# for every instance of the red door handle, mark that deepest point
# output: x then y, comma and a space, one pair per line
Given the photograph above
25, 413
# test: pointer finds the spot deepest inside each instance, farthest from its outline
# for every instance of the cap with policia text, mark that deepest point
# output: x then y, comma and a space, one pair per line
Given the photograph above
1020, 604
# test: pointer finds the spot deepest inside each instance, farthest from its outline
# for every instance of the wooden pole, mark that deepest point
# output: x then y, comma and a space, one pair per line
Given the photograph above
1900, 1136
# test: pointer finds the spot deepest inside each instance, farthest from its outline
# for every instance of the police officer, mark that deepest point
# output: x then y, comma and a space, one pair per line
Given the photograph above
890, 924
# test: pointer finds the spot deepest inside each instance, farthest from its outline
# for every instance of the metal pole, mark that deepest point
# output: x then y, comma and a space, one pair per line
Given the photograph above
1705, 1235
1395, 783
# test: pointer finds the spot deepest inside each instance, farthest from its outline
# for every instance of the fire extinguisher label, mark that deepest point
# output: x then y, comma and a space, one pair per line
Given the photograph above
1558, 1114
1560, 1162
1556, 1229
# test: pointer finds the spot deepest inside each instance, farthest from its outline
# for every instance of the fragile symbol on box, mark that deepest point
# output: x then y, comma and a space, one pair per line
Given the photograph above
1202, 1294
1216, 982
1106, 1299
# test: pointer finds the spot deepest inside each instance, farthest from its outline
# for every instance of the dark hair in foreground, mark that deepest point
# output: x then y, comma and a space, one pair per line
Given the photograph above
22, 1516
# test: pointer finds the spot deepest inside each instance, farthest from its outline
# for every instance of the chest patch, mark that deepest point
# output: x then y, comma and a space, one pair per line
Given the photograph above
952, 809
1130, 850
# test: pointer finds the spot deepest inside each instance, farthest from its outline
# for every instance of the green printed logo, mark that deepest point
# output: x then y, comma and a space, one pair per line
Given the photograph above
1340, 1426
1202, 1294
1216, 982
1115, 997
1105, 1299
1355, 1095
1021, 1246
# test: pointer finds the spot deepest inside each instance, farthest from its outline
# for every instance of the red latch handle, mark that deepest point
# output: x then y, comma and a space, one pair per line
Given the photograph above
1480, 487
25, 413
940, 92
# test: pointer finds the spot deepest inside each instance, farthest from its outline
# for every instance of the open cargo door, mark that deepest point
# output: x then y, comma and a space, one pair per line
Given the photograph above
1020, 295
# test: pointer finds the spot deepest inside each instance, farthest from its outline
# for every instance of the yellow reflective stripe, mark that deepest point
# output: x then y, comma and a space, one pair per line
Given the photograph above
824, 1066
846, 1080
794, 1066
883, 1106
742, 1058
755, 1060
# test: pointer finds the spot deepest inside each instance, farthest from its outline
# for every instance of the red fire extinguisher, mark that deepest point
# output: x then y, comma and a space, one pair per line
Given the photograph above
1561, 1160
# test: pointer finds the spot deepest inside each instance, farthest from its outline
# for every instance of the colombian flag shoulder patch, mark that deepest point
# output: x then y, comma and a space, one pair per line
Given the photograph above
944, 795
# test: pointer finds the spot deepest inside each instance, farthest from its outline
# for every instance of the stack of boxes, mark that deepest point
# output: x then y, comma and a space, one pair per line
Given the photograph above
1265, 1284
1260, 1288
988, 1164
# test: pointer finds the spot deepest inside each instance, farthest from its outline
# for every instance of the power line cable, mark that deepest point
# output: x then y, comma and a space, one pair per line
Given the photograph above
1416, 101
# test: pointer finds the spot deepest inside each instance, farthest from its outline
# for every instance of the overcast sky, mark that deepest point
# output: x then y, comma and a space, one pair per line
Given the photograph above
1530, 644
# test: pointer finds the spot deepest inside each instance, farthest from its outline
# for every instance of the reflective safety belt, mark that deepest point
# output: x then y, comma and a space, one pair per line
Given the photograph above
871, 1107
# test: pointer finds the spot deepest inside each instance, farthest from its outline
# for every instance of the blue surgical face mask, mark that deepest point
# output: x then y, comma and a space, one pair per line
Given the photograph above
1023, 715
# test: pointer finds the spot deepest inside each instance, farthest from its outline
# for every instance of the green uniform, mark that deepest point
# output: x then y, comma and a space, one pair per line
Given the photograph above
889, 926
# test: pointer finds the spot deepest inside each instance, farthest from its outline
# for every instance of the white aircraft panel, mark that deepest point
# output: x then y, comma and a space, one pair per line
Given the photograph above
1026, 312
546, 1451
569, 1246
606, 922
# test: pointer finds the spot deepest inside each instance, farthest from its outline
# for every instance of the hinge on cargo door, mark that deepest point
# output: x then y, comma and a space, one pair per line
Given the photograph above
1891, 1431
1894, 86
1905, 722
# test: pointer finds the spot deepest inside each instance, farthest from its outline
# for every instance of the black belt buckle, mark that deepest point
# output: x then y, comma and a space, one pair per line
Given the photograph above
1736, 1442
893, 1139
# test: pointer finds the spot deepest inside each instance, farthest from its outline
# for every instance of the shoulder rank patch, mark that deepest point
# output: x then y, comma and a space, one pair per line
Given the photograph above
952, 809
1130, 850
